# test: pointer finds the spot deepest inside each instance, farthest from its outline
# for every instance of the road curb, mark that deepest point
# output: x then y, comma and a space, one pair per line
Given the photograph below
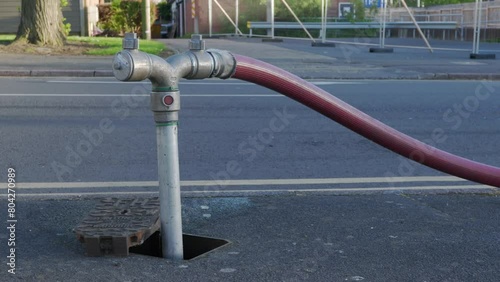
52, 73
15, 73
474, 76
72, 73
103, 73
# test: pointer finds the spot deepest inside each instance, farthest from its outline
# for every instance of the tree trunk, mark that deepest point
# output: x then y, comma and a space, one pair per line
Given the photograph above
41, 23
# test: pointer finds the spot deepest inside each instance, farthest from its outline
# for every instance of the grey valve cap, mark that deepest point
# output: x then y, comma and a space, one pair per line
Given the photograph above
130, 41
123, 66
196, 43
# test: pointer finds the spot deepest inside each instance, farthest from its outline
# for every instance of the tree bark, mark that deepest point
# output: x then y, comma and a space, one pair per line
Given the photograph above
41, 23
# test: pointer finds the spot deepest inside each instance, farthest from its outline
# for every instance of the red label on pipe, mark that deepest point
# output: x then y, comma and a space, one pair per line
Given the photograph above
168, 100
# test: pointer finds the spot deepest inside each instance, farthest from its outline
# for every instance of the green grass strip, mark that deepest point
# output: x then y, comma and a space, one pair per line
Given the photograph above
103, 46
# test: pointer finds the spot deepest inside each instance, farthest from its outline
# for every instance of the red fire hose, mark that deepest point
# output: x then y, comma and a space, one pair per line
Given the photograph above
269, 76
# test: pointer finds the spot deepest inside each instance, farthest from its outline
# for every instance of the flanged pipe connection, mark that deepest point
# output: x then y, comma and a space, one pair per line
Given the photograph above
132, 65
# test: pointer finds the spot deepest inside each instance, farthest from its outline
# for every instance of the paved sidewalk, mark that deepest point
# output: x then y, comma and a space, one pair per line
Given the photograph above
39, 65
375, 237
345, 61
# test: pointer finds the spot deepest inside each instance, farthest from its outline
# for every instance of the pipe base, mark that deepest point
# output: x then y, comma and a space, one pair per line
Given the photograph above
381, 50
483, 56
321, 44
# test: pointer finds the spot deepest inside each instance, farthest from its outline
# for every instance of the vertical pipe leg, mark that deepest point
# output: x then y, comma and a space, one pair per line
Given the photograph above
170, 192
325, 21
384, 9
237, 17
209, 18
479, 14
476, 8
272, 18
322, 33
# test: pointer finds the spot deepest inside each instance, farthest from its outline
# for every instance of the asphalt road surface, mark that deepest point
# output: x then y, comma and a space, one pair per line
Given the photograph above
233, 135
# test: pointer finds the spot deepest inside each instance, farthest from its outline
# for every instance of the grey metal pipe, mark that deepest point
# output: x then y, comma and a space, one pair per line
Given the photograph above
210, 18
479, 16
170, 192
198, 63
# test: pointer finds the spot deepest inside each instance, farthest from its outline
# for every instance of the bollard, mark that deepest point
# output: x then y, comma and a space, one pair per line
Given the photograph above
197, 63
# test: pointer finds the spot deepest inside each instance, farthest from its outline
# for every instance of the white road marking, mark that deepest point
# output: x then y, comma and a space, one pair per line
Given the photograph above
267, 191
240, 182
43, 189
137, 95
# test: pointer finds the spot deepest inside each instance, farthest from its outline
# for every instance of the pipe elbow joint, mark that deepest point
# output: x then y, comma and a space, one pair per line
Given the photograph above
133, 65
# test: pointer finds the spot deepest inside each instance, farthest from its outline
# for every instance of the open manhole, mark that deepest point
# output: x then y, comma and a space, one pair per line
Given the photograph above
194, 246
119, 226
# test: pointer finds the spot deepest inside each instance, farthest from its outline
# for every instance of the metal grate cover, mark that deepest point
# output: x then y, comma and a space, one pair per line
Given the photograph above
116, 224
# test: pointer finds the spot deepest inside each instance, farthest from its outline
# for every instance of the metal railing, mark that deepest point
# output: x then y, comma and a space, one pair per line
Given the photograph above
448, 25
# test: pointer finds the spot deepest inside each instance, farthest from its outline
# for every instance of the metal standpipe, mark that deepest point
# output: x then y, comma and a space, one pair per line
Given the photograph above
165, 103
132, 65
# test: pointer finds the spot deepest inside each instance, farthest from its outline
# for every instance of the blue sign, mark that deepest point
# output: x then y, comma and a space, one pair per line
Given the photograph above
373, 3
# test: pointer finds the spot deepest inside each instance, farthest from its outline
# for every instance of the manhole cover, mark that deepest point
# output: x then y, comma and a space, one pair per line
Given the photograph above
115, 225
